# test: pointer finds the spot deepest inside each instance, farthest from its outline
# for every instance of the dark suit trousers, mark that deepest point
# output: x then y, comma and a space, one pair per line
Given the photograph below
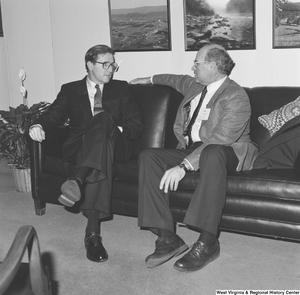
102, 144
206, 206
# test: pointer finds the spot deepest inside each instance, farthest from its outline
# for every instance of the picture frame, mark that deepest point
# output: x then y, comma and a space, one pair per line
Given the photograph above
1, 24
228, 23
140, 25
286, 24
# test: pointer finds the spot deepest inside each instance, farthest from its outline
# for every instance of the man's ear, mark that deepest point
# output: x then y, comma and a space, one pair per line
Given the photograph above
213, 65
90, 65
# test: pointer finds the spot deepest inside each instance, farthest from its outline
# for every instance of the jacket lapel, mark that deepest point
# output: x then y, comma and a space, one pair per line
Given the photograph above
83, 96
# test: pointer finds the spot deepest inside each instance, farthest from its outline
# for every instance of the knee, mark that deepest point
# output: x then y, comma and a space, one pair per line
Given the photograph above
145, 155
151, 157
104, 117
214, 152
102, 121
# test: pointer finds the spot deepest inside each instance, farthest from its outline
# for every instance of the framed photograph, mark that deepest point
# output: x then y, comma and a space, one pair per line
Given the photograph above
1, 26
230, 23
286, 24
140, 25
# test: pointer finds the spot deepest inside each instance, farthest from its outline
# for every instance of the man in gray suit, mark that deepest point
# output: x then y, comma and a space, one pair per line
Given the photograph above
212, 128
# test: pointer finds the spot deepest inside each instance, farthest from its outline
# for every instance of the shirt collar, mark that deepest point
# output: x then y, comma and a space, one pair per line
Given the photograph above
213, 87
91, 84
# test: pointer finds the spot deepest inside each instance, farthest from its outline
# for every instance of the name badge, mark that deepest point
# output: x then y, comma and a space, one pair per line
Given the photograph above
204, 114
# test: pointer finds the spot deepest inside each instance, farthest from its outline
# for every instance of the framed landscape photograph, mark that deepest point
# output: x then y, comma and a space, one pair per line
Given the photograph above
140, 25
286, 23
230, 23
1, 26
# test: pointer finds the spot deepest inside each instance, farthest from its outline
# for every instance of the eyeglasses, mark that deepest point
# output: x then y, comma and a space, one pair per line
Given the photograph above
106, 65
196, 63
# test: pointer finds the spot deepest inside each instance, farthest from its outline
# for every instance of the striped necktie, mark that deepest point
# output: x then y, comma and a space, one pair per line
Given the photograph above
97, 101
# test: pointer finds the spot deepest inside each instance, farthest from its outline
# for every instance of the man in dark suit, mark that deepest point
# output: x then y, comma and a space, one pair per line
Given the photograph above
212, 128
281, 151
103, 120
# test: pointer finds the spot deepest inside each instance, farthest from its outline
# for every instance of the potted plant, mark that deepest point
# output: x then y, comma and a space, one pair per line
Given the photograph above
14, 125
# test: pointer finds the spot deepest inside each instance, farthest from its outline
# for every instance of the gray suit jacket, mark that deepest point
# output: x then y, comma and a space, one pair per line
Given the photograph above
228, 122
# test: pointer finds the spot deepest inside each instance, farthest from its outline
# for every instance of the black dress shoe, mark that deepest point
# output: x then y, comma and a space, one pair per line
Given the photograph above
165, 250
198, 257
71, 192
94, 248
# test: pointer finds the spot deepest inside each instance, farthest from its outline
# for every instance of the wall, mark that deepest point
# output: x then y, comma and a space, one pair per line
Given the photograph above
49, 38
4, 86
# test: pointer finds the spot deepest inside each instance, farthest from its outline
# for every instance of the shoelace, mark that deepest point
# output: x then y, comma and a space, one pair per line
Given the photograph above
94, 239
197, 248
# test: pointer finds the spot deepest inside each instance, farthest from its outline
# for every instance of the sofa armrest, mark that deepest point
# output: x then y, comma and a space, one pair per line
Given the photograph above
51, 146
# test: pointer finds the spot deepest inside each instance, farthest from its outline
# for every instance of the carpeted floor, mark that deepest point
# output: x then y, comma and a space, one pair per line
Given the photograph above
246, 263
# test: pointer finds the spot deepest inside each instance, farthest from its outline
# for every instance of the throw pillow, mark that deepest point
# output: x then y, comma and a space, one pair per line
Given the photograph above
276, 119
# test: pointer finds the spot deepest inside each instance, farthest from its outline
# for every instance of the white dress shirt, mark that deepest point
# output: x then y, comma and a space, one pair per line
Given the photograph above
211, 90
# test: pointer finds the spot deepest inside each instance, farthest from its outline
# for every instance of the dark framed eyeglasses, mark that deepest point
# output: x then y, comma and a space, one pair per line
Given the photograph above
106, 65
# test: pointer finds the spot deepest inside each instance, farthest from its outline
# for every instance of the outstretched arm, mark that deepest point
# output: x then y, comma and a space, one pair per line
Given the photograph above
145, 80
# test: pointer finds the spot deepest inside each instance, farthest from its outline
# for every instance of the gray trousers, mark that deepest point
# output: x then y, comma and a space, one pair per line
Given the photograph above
207, 203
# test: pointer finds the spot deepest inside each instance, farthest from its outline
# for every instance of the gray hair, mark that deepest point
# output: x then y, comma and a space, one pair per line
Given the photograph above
222, 59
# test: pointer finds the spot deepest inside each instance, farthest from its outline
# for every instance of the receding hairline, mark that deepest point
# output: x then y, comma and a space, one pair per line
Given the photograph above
212, 46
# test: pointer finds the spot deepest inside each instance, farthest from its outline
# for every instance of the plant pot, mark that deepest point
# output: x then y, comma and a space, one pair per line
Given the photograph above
22, 179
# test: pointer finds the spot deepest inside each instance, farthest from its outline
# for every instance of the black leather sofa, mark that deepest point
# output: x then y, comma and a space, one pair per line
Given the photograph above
259, 202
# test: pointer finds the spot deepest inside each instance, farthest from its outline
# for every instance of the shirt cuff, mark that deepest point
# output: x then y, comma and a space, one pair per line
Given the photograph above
36, 125
190, 167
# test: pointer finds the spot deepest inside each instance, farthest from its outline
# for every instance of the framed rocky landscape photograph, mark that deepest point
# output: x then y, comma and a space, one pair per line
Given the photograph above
140, 25
230, 23
286, 23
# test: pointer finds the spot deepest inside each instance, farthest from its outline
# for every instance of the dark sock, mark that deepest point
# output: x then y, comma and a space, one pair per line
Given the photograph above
207, 238
93, 224
165, 234
81, 173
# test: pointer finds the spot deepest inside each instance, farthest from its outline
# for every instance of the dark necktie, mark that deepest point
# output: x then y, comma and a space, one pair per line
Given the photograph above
188, 131
97, 101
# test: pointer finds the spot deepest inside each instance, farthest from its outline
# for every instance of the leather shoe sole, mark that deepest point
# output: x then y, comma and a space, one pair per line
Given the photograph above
71, 192
156, 259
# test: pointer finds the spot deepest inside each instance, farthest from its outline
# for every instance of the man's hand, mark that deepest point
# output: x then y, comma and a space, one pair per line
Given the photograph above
171, 179
146, 80
37, 133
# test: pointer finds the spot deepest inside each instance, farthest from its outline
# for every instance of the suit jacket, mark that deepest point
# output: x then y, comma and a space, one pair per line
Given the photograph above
73, 103
281, 150
228, 122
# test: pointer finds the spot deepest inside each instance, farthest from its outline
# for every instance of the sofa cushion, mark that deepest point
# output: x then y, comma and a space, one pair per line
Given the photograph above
276, 119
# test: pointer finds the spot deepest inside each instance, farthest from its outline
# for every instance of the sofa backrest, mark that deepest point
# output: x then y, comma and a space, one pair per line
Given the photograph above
158, 106
263, 101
